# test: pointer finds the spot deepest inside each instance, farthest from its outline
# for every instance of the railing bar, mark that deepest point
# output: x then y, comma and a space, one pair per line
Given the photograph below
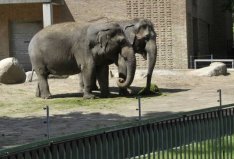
204, 126
232, 129
226, 135
153, 140
193, 135
189, 133
139, 141
143, 141
128, 143
176, 138
220, 133
214, 155
158, 137
171, 137
185, 137
197, 137
179, 137
210, 135
133, 142
200, 135
167, 139
163, 138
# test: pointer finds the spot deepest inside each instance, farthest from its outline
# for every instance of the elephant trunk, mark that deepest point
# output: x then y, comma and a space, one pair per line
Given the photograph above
151, 49
128, 54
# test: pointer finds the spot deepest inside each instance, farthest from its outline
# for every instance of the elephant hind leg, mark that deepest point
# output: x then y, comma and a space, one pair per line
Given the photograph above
42, 86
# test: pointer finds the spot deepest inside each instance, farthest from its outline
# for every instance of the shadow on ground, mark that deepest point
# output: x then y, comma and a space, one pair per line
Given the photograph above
115, 92
18, 131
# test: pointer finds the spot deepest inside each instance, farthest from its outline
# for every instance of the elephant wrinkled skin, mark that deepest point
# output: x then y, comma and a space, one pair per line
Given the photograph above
67, 48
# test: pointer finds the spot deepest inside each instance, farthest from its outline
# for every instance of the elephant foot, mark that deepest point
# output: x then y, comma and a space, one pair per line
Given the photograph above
95, 87
46, 96
152, 90
88, 96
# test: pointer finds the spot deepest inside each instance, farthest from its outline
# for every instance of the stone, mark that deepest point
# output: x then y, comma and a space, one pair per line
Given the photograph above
215, 69
11, 72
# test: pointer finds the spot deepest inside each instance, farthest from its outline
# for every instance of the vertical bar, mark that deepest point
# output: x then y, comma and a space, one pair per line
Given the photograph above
176, 138
167, 139
47, 14
139, 107
193, 136
47, 121
171, 138
220, 97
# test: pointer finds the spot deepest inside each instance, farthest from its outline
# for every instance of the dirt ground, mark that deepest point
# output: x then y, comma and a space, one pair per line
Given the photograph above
22, 114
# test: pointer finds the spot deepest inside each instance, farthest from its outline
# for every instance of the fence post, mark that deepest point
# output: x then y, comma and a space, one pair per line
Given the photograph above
221, 152
139, 107
47, 122
220, 97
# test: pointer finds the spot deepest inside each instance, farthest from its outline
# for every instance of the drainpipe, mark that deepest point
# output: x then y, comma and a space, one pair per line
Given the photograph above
47, 14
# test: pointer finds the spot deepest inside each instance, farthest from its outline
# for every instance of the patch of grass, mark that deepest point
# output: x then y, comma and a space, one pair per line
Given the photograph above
154, 90
34, 105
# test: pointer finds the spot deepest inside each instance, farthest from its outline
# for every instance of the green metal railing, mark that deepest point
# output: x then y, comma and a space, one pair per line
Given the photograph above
202, 134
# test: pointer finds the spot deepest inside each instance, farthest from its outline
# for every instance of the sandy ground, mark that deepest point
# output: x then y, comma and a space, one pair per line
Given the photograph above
22, 115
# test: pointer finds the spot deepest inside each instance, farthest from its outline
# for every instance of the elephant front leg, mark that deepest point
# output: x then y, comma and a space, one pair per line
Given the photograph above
43, 87
88, 75
103, 80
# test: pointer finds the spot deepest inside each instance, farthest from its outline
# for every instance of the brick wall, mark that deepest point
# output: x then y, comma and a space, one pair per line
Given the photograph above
170, 25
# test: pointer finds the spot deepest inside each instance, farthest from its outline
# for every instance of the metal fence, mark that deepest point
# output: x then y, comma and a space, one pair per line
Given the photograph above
202, 134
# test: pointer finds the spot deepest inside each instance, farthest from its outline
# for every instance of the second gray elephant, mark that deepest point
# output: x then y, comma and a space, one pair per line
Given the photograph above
142, 36
67, 48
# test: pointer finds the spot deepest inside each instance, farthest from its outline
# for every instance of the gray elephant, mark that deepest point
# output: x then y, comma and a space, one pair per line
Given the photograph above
67, 48
141, 34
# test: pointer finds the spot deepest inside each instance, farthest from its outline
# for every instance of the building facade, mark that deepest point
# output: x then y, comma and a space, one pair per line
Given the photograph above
185, 28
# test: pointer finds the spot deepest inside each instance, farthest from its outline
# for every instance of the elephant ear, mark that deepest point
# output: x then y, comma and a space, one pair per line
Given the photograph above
103, 38
130, 33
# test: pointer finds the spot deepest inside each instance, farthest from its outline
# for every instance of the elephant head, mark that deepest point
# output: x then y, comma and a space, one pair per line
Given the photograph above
109, 42
140, 33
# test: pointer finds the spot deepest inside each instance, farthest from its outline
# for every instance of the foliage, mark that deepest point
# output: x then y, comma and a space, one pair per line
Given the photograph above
154, 90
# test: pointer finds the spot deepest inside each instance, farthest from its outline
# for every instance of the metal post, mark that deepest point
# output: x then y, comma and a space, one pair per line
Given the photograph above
220, 123
220, 97
139, 107
47, 120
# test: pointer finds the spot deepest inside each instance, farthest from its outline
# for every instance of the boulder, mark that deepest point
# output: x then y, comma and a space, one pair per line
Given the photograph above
215, 69
11, 71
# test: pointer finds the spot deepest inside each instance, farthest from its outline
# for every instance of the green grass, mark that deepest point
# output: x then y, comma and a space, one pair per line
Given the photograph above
207, 149
34, 105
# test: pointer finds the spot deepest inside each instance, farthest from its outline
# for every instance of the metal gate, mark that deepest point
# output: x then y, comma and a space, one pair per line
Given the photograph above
203, 134
21, 34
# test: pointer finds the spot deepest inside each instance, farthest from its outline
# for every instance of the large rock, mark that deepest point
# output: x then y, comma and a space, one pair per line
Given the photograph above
215, 69
11, 71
